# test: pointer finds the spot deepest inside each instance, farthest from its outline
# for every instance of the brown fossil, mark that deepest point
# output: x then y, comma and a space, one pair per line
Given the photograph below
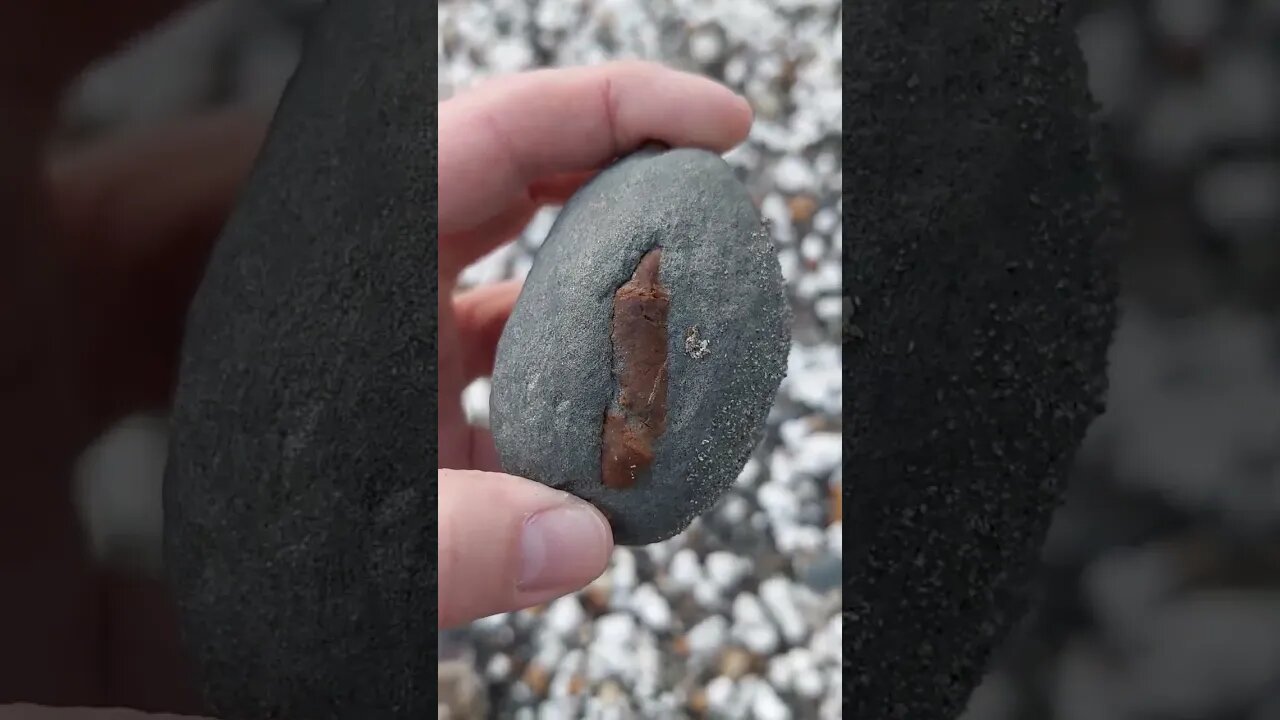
639, 413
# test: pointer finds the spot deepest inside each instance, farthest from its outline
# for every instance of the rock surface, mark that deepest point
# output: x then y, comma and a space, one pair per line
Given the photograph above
967, 411
727, 340
299, 502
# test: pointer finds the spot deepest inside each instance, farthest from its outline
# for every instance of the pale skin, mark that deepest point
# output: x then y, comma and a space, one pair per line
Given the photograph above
102, 247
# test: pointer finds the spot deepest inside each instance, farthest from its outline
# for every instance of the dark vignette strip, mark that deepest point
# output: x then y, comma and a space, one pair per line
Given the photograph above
980, 308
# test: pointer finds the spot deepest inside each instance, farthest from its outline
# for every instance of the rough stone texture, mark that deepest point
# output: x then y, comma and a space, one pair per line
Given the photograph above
976, 352
300, 519
553, 379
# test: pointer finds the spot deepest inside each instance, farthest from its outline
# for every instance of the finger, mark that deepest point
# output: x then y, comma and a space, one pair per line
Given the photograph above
461, 248
498, 139
507, 543
138, 214
39, 712
481, 316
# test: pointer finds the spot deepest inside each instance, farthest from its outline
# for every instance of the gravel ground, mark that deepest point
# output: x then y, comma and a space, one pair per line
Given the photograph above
1160, 596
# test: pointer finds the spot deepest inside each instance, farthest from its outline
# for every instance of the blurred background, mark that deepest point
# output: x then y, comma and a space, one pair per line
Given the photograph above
1160, 598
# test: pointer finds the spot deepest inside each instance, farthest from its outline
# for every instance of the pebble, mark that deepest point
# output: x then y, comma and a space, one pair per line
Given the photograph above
734, 509
684, 571
725, 569
751, 625
708, 637
706, 45
565, 616
651, 607
780, 600
794, 175
766, 705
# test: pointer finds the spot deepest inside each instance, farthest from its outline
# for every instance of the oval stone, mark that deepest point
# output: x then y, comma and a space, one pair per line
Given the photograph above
647, 345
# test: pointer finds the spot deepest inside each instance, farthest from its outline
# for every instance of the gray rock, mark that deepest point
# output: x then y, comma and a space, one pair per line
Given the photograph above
984, 303
553, 379
299, 500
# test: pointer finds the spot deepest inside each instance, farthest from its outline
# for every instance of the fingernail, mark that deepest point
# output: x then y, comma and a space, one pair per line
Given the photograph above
562, 547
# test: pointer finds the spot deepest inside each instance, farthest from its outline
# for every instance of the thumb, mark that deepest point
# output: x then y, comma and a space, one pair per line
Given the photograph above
508, 543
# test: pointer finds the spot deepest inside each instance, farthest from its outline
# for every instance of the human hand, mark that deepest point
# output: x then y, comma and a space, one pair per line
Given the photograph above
506, 149
102, 248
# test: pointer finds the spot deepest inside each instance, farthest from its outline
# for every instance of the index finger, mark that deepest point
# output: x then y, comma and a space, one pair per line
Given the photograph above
499, 138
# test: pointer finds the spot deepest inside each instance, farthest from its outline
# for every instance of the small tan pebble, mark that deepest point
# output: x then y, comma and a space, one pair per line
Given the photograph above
680, 645
698, 702
802, 208
837, 504
610, 692
735, 662
537, 678
595, 599
577, 683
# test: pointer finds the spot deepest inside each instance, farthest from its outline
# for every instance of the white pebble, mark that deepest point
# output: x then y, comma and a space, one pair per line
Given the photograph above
563, 679
734, 509
835, 538
550, 651
624, 571
560, 708
795, 539
705, 46
475, 402
708, 637
725, 569
812, 247
825, 643
766, 705
509, 56
809, 682
793, 175
778, 502
759, 639
498, 668
652, 609
685, 571
709, 596
820, 453
830, 308
774, 209
735, 71
615, 629
750, 473
826, 221
565, 616
719, 694
748, 610
779, 599
781, 672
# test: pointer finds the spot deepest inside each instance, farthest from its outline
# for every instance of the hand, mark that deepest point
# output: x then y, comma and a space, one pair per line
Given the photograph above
506, 149
102, 248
